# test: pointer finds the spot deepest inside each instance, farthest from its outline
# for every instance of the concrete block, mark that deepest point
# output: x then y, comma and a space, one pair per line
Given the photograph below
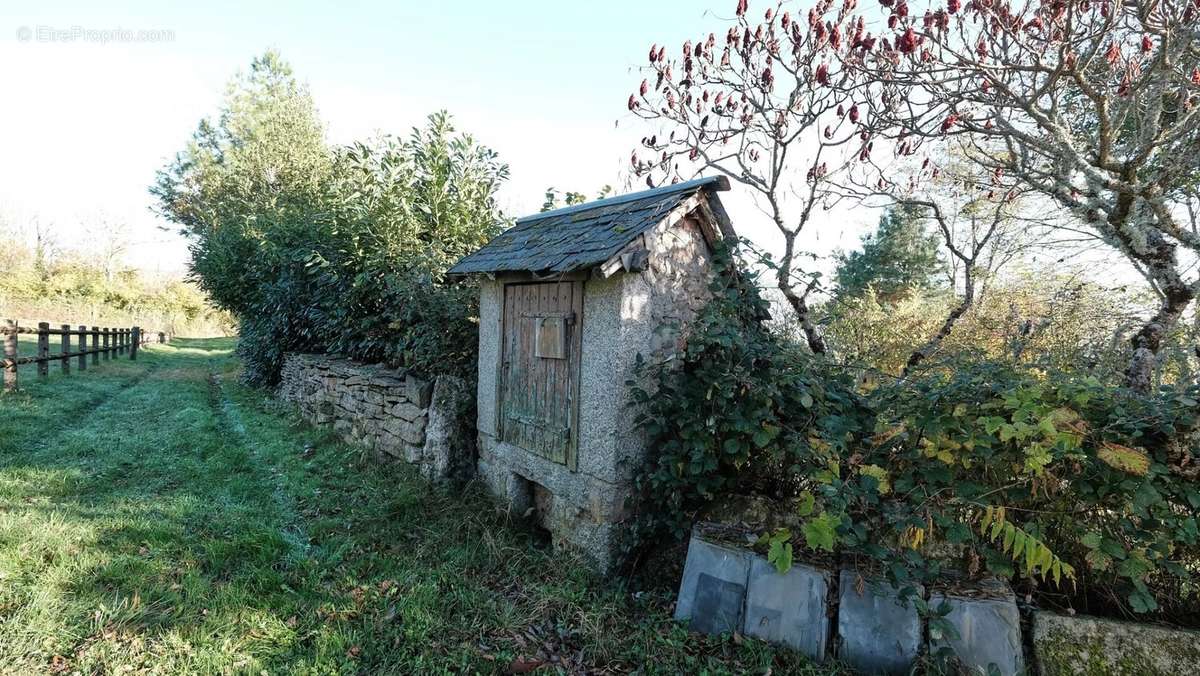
789, 608
712, 594
1065, 646
878, 633
989, 632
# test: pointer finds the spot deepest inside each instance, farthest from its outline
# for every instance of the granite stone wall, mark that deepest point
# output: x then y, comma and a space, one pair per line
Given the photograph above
427, 423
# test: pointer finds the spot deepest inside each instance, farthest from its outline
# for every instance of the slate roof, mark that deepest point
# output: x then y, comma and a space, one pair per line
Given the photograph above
581, 236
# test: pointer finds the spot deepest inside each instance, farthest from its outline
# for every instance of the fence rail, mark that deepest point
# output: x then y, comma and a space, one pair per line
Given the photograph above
106, 342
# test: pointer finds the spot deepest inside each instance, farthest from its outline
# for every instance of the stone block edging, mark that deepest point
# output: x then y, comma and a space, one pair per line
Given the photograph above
726, 589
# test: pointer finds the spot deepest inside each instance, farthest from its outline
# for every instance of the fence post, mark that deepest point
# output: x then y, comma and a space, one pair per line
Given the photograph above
95, 345
162, 337
135, 335
66, 348
124, 341
43, 349
10, 357
104, 338
82, 348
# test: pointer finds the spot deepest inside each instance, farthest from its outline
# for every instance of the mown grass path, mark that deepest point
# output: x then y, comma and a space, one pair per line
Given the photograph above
158, 517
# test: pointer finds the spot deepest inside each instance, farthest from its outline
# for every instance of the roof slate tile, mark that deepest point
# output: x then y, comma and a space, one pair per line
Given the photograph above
578, 237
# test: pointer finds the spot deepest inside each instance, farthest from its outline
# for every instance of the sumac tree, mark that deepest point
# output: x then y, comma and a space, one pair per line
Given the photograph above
1091, 104
750, 104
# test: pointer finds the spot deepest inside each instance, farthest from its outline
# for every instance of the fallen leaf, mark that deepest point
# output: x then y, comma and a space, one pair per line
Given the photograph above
1131, 460
523, 666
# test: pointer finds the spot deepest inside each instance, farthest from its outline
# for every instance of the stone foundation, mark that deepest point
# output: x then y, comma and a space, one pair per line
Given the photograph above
426, 423
580, 512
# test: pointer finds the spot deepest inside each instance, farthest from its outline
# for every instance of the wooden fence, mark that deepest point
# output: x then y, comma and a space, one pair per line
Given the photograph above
106, 342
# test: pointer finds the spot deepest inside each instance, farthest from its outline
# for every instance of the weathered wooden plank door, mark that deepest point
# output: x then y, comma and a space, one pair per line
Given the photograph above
540, 368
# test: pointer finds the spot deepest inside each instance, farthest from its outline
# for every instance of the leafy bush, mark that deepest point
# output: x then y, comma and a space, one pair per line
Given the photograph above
1041, 318
735, 411
79, 288
410, 209
1086, 494
332, 249
1052, 477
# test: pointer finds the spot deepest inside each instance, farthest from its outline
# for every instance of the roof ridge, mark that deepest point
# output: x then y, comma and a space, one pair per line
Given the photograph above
583, 235
721, 182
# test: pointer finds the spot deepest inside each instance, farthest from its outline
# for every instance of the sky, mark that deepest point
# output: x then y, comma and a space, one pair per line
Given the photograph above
90, 114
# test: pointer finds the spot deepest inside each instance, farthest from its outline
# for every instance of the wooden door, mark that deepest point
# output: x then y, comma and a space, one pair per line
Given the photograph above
539, 378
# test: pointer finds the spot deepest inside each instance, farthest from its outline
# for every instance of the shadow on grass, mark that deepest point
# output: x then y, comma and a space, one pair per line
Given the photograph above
141, 528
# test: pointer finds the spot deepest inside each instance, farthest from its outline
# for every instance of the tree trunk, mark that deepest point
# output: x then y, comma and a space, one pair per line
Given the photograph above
799, 303
1147, 342
1137, 229
1147, 244
783, 279
959, 310
1196, 340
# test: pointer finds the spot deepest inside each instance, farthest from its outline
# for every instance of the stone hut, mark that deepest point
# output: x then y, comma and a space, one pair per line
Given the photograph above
569, 299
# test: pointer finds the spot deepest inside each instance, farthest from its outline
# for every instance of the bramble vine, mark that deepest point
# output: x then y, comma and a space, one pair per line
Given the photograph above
978, 468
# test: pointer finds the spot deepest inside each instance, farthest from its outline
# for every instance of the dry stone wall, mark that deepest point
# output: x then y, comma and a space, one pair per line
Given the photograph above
427, 423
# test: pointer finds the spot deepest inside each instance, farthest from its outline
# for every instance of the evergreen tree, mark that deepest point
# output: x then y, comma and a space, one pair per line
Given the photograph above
317, 248
252, 176
900, 256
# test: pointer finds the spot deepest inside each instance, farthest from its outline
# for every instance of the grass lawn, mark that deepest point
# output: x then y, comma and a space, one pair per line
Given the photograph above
158, 517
